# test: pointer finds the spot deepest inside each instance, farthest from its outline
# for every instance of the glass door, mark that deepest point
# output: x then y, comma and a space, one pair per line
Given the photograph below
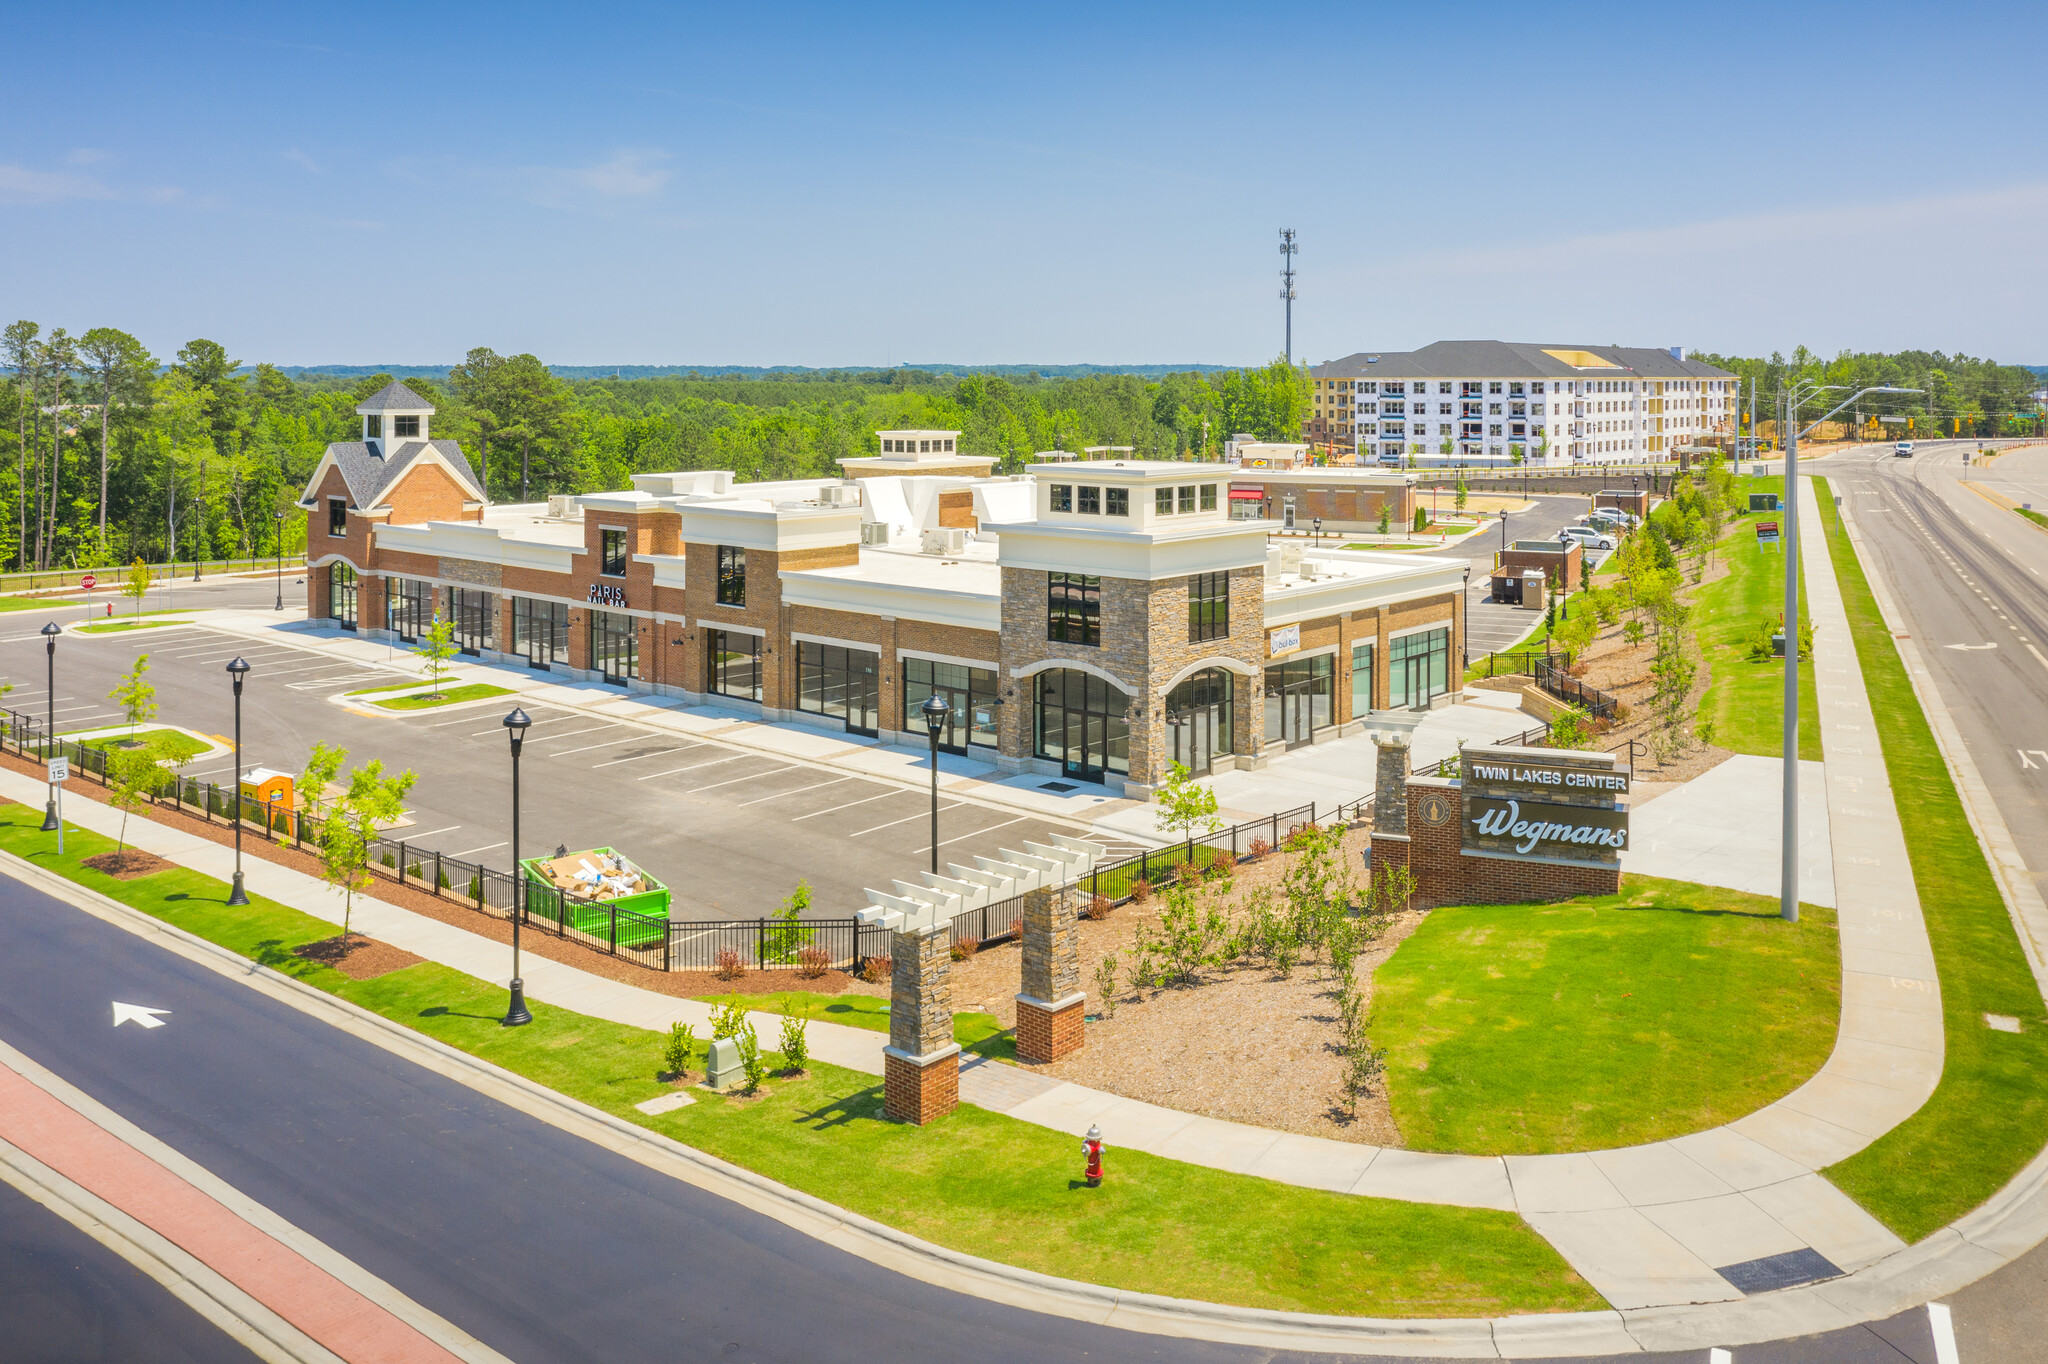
540, 631
614, 646
1081, 725
970, 695
840, 682
1298, 699
1198, 720
341, 594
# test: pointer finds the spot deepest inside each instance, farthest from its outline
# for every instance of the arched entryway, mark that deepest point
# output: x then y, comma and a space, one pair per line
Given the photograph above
1198, 719
1079, 722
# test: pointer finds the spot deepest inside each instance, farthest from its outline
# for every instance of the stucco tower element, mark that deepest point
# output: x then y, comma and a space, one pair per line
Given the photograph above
1050, 1021
921, 1064
1390, 785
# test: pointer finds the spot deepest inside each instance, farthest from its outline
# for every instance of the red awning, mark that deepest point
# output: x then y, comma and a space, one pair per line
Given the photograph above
1247, 495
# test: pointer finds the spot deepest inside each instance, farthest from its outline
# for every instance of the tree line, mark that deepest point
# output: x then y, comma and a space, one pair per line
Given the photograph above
1960, 394
120, 455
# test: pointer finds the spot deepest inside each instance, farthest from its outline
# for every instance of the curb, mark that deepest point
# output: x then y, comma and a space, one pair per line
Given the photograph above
2008, 1224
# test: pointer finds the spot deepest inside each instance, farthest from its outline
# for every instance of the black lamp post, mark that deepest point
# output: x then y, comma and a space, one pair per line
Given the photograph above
515, 727
238, 670
280, 563
50, 633
935, 711
1319, 532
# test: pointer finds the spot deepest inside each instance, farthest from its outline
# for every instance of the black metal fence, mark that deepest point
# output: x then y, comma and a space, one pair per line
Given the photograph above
30, 580
1554, 678
1252, 838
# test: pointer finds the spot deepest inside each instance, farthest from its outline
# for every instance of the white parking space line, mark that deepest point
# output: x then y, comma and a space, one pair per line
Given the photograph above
550, 720
692, 767
922, 814
850, 804
61, 710
976, 834
415, 837
594, 729
607, 743
657, 753
471, 852
799, 791
459, 720
749, 777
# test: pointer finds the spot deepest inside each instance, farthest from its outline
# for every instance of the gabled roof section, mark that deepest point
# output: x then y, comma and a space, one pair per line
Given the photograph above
1517, 359
394, 397
368, 472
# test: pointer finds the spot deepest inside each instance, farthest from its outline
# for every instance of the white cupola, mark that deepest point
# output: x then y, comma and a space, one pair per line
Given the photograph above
396, 414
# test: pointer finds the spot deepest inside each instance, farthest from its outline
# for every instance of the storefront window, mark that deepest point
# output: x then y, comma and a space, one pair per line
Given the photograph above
540, 631
1418, 667
732, 576
1080, 724
840, 682
1298, 698
1208, 607
735, 663
475, 616
1361, 679
1073, 608
408, 607
970, 696
613, 545
341, 594
614, 646
1198, 719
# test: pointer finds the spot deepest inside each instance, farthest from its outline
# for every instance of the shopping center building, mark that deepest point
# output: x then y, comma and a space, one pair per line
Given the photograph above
1090, 620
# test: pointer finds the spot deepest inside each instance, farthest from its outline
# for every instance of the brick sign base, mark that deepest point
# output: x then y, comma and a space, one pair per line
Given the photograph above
1046, 1032
920, 1088
1445, 874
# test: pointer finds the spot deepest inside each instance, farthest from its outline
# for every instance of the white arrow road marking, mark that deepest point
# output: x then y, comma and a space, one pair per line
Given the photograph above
137, 1013
1968, 648
2025, 761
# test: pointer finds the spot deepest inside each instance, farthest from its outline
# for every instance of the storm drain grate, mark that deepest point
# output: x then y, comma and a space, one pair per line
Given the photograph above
1792, 1268
1061, 786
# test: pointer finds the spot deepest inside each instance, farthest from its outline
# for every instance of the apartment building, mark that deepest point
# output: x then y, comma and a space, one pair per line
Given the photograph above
1087, 621
1500, 402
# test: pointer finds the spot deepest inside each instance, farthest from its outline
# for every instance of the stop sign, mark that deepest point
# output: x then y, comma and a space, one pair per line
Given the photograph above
88, 582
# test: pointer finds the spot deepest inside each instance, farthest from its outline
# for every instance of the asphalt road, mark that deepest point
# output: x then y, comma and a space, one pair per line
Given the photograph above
1491, 625
544, 1246
729, 830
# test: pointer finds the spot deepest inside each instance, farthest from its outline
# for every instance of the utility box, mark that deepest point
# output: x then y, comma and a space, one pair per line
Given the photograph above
722, 1069
1763, 502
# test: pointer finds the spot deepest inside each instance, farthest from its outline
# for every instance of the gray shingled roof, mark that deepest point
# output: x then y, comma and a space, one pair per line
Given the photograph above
1513, 359
367, 473
394, 397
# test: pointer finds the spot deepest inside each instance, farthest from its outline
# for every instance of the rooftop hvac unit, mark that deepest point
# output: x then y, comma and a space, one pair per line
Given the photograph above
565, 507
945, 540
874, 532
842, 495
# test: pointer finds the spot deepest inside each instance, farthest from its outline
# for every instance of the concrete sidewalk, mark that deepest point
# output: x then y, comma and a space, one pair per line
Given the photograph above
1722, 828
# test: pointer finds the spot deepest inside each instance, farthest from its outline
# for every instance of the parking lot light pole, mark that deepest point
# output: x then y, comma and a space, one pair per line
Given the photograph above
238, 670
50, 633
935, 711
518, 1014
280, 563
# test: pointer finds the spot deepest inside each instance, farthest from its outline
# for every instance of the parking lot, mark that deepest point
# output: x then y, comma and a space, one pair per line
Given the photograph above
729, 829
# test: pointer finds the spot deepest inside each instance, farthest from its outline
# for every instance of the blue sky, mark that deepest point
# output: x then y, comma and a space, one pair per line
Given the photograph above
854, 185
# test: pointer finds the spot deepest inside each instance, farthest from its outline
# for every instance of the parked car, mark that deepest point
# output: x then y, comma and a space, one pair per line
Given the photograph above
1604, 518
1587, 536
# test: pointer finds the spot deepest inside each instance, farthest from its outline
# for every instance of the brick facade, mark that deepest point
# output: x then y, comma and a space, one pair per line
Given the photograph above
921, 1066
1447, 875
1566, 561
1046, 1034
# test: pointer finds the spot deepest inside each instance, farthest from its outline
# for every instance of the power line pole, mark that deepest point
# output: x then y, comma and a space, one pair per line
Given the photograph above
1288, 250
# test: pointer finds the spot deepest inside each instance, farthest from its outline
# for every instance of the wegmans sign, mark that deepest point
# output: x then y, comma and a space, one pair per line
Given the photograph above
1541, 829
1543, 804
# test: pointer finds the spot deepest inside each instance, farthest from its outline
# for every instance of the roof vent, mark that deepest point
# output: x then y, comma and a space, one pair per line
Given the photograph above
1372, 359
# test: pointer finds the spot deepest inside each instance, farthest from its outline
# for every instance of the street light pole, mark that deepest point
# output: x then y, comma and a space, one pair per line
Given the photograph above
518, 1014
238, 670
50, 633
935, 709
280, 563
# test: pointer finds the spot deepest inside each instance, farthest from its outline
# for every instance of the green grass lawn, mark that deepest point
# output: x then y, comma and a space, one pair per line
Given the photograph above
474, 691
975, 1032
115, 627
2032, 515
180, 744
975, 1180
1745, 699
1670, 1008
388, 686
1989, 1115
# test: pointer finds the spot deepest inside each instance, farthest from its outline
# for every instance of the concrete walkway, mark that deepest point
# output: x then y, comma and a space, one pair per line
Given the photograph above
1722, 828
1702, 1218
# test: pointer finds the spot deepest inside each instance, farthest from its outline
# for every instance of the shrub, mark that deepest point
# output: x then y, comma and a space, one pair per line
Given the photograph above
441, 881
1098, 907
730, 967
1105, 983
1259, 848
795, 1046
729, 1020
1141, 891
476, 889
1017, 929
965, 948
1302, 835
752, 1063
388, 860
875, 970
416, 872
1222, 864
679, 1050
813, 962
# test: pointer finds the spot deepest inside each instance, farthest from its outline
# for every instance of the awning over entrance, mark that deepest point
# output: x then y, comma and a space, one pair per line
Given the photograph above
1247, 494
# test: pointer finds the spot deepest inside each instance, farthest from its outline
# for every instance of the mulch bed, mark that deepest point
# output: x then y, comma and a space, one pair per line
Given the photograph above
833, 982
358, 957
127, 864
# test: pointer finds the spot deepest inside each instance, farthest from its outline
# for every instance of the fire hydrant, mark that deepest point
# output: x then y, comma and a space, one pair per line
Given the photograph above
1092, 1147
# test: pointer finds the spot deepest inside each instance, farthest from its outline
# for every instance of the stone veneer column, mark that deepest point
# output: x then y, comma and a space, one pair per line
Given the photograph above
1390, 786
1050, 1021
921, 1064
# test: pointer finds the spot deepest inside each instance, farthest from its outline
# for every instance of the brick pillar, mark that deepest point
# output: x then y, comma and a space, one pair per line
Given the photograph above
921, 1064
1050, 1021
1390, 786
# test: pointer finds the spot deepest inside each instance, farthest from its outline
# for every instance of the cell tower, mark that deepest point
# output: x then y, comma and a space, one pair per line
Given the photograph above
1288, 251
